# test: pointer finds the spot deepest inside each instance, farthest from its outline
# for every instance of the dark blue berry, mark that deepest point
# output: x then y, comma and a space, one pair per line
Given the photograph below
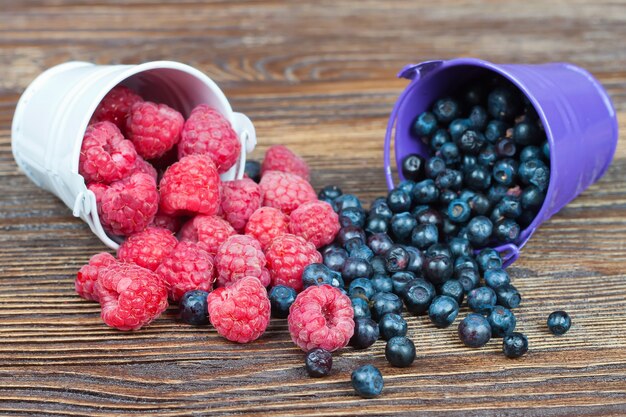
367, 381
316, 274
468, 278
402, 224
479, 230
475, 94
413, 167
446, 109
465, 261
438, 269
425, 192
510, 207
400, 351
496, 192
495, 130
449, 228
330, 192
532, 198
496, 277
416, 260
438, 249
281, 298
458, 127
559, 322
478, 118
530, 152
429, 216
352, 216
504, 103
253, 170
514, 345
406, 186
376, 224
399, 201
481, 300
392, 325
434, 166
506, 148
479, 204
401, 281
535, 172
506, 230
361, 286
478, 178
459, 247
418, 296
382, 283
361, 307
335, 259
350, 232
545, 148
379, 243
355, 268
440, 137
424, 125
385, 302
347, 200
489, 258
424, 235
468, 162
474, 331
365, 333
502, 321
361, 251
508, 296
526, 133
471, 142
487, 156
459, 211
449, 179
504, 172
318, 362
446, 196
380, 208
192, 308
450, 153
443, 310
396, 259
453, 288
378, 265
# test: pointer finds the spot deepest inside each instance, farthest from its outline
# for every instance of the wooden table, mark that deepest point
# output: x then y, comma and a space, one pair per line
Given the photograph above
319, 77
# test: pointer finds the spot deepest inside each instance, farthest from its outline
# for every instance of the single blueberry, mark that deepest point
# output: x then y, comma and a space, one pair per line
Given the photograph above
318, 362
429, 216
479, 204
252, 169
502, 321
416, 260
443, 310
506, 230
474, 331
459, 211
478, 179
449, 228
453, 288
380, 208
385, 302
365, 333
396, 259
361, 251
496, 129
545, 148
468, 162
458, 127
376, 224
438, 249
413, 167
347, 200
530, 152
330, 192
382, 283
496, 193
434, 166
514, 345
361, 286
535, 172
424, 125
316, 274
361, 307
446, 109
481, 300
471, 142
281, 298
508, 296
418, 296
378, 265
465, 261
192, 308
401, 281
488, 258
355, 268
399, 200
526, 133
406, 186
479, 230
352, 216
335, 259
424, 235
478, 118
440, 137
559, 322
350, 232
504, 103
425, 192
402, 224
468, 278
379, 243
459, 247
450, 153
487, 156
400, 351
449, 179
367, 381
504, 172
496, 277
446, 196
392, 325
438, 269
475, 94
505, 148
532, 198
510, 207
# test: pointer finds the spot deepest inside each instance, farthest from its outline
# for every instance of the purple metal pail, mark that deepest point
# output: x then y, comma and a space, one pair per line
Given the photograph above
576, 112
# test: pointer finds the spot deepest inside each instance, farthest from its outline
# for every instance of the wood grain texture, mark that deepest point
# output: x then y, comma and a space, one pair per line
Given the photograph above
318, 76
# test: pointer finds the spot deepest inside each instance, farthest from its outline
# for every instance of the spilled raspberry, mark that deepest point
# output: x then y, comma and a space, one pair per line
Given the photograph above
316, 222
287, 256
188, 267
147, 248
241, 256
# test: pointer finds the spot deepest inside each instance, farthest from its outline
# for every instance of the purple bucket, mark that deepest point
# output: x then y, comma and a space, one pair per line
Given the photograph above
576, 112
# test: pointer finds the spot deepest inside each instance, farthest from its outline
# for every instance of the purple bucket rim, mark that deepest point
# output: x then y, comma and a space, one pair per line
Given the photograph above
412, 70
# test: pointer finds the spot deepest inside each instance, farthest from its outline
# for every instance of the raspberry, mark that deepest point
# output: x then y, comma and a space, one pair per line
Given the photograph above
115, 106
191, 185
210, 230
131, 296
86, 283
279, 158
165, 221
240, 256
141, 165
287, 256
206, 131
316, 222
188, 267
147, 248
127, 206
266, 224
153, 128
240, 198
285, 191
105, 156
241, 311
321, 317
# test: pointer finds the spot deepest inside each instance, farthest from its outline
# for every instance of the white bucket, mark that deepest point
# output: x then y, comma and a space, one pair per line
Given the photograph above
52, 115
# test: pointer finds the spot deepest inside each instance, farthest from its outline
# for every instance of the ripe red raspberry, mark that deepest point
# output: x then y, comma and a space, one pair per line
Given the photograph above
127, 206
131, 296
287, 256
206, 131
240, 256
115, 107
165, 221
105, 156
190, 186
141, 165
240, 198
266, 224
153, 128
188, 267
147, 248
321, 317
285, 191
210, 230
86, 283
279, 158
316, 222
241, 311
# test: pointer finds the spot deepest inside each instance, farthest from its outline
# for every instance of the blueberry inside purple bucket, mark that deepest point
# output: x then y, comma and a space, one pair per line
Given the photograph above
495, 150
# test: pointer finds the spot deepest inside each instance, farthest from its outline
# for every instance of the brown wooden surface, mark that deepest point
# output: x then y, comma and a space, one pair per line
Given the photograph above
318, 76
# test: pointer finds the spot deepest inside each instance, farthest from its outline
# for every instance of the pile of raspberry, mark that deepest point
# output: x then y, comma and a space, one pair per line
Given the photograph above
213, 247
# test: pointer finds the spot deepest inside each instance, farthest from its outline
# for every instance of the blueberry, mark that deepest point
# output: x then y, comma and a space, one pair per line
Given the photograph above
450, 153
459, 211
353, 244
504, 172
530, 152
475, 94
532, 198
443, 310
361, 286
347, 200
440, 137
406, 186
468, 162
398, 201
281, 298
559, 322
429, 216
350, 232
510, 207
449, 179
545, 148
496, 277
418, 296
253, 170
425, 192
352, 216
458, 127
446, 109
318, 362
378, 265
416, 260
514, 345
506, 230
396, 259
424, 125
401, 281
330, 192
502, 321
361, 251
400, 351
468, 278
424, 235
434, 166
526, 133
376, 224
481, 300
392, 325
453, 288
478, 118
487, 156
474, 331
385, 302
526, 219
413, 167
478, 179
479, 204
438, 249
459, 247
316, 274
380, 208
367, 381
382, 283
449, 228
488, 258
495, 130
335, 259
365, 333
379, 243
479, 230
508, 296
506, 148
402, 224
355, 268
504, 103
438, 269
535, 172
471, 142
361, 307
465, 261
447, 196
496, 192
192, 308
